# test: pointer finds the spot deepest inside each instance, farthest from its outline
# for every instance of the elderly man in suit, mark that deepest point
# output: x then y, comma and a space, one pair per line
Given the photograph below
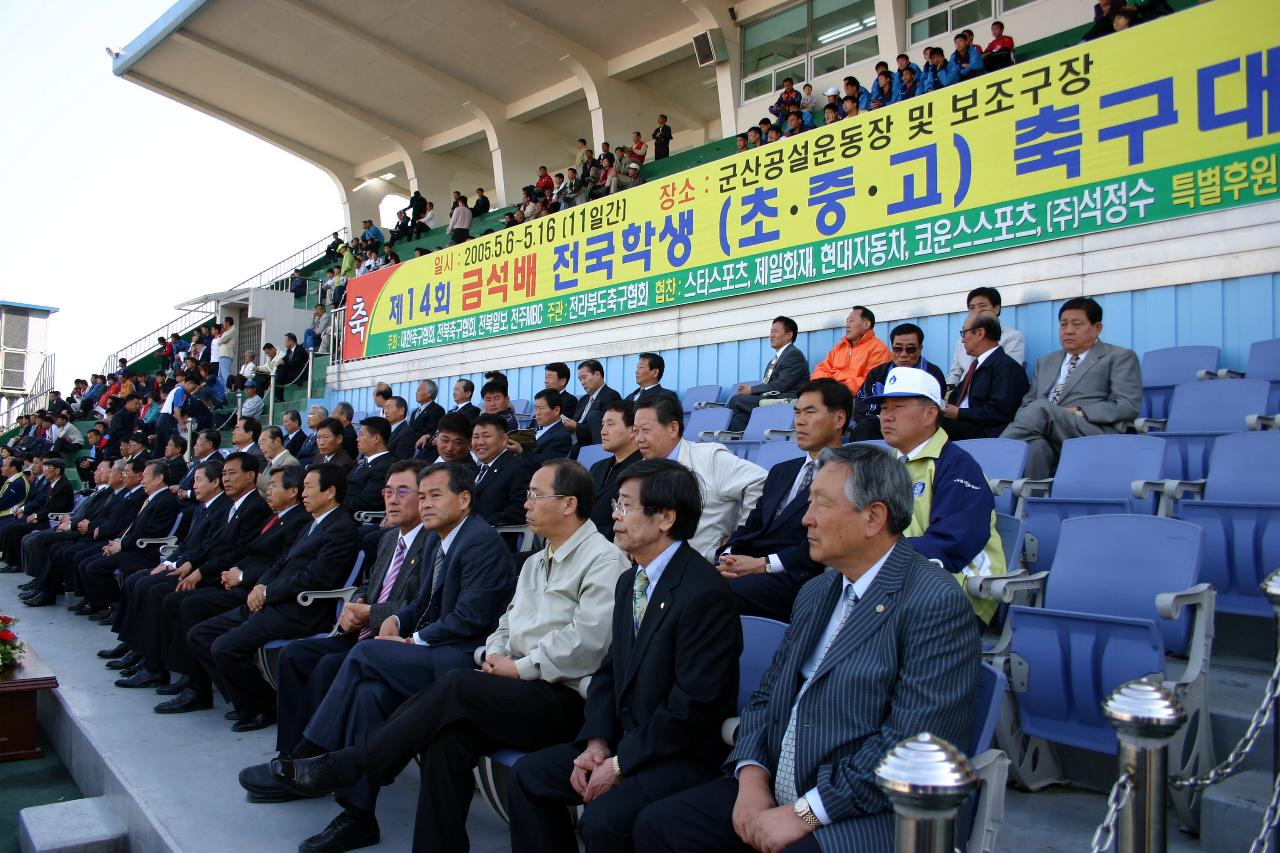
321, 558
293, 365
425, 419
307, 668
329, 447
503, 478
987, 398
37, 547
768, 559
882, 648
551, 439
786, 372
307, 453
730, 485
275, 454
649, 370
584, 423
1086, 388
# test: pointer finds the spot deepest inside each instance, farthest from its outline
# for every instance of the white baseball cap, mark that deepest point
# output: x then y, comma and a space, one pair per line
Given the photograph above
833, 91
911, 382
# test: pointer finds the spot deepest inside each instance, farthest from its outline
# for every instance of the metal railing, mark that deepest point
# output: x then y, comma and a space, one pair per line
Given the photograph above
185, 321
38, 394
271, 276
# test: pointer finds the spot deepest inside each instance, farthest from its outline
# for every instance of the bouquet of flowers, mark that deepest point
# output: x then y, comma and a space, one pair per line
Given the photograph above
11, 648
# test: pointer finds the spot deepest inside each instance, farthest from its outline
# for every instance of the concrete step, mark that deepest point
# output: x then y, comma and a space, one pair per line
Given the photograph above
1236, 685
87, 825
1231, 812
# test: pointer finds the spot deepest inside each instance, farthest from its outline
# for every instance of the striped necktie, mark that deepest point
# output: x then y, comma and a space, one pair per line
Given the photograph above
1056, 394
393, 572
639, 598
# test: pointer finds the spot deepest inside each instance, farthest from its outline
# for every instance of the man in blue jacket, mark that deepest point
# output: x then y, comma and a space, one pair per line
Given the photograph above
968, 58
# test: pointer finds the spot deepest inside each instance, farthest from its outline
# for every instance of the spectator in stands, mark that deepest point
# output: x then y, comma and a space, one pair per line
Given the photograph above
402, 230
551, 439
306, 451
211, 391
596, 397
364, 484
497, 402
403, 437
175, 450
85, 465
1000, 43
125, 420
452, 440
909, 86
463, 391
853, 89
276, 455
372, 234
556, 376
767, 558
348, 266
192, 409
297, 286
809, 767
1086, 388
938, 72
882, 93
795, 123
904, 62
639, 149
604, 181
292, 369
967, 57
783, 376
741, 143
69, 439
992, 388
329, 449
649, 369
543, 185
788, 98
858, 351
583, 155
369, 264
503, 476
754, 139
617, 436
15, 488
567, 193
1124, 18
425, 417
344, 414
424, 222
830, 114
37, 548
459, 222
1103, 11
331, 251
807, 103
661, 137
953, 519
166, 353
528, 206
226, 646
907, 343
547, 642
252, 406
660, 695
417, 205
245, 435
731, 485
630, 178
382, 393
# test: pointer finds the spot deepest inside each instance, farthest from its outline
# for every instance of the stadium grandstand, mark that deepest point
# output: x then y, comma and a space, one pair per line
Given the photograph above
836, 425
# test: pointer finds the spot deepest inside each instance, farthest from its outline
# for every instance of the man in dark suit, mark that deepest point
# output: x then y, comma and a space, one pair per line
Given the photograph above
205, 450
551, 439
344, 413
785, 373
294, 436
15, 487
556, 378
123, 423
37, 548
617, 437
468, 578
403, 438
293, 365
320, 559
596, 397
366, 479
174, 451
986, 400
767, 560
882, 648
463, 391
183, 611
1086, 388
907, 342
329, 447
57, 497
656, 704
503, 478
425, 419
649, 369
155, 521
307, 453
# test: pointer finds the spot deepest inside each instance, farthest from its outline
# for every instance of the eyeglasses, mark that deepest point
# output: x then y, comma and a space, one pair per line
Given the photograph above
620, 509
964, 332
907, 350
401, 492
531, 495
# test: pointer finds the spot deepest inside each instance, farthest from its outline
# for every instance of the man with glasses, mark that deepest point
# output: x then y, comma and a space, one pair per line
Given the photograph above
908, 351
992, 388
471, 578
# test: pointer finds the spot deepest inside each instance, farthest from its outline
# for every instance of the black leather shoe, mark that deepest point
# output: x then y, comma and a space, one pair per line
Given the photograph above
129, 659
323, 774
144, 678
31, 593
187, 700
350, 830
233, 715
106, 617
9, 570
87, 609
180, 684
76, 606
29, 585
119, 651
261, 787
39, 600
261, 720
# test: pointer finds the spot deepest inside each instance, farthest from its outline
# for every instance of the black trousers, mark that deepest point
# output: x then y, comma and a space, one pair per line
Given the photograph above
11, 544
181, 613
67, 565
540, 790
304, 672
98, 579
37, 547
138, 615
700, 819
958, 430
226, 647
768, 594
466, 714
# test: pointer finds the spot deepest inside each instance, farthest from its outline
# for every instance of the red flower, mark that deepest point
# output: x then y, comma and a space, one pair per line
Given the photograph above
6, 620
7, 636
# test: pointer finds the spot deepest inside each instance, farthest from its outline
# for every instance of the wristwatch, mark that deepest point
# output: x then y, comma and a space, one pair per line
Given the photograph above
617, 769
805, 813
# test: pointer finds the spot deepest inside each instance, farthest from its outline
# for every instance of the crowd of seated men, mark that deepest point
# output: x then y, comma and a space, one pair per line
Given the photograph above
617, 635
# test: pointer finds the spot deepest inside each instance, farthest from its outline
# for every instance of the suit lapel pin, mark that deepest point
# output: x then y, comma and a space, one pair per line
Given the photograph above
662, 605
879, 608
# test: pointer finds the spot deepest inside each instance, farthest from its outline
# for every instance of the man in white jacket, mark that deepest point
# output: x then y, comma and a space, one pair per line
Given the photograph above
730, 485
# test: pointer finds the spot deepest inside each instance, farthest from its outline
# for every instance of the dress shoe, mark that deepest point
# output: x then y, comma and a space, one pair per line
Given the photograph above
231, 715
350, 830
28, 585
39, 600
144, 678
106, 617
31, 593
180, 684
187, 700
261, 787
119, 651
261, 720
324, 774
84, 608
129, 659
76, 606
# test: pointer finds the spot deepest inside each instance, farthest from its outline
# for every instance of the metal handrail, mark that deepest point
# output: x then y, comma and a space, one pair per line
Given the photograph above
38, 395
270, 277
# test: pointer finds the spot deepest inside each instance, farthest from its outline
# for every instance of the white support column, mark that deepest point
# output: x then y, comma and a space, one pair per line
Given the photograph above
891, 32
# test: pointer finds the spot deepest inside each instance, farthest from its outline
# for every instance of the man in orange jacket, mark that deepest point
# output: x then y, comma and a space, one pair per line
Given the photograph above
857, 353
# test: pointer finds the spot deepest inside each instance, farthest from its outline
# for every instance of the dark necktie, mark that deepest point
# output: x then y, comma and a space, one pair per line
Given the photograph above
1056, 394
484, 469
965, 383
806, 480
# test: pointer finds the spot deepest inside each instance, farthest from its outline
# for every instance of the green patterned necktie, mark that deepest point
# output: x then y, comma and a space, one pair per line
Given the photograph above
639, 601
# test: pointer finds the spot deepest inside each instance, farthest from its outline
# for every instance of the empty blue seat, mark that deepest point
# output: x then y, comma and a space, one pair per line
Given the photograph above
772, 452
700, 394
1264, 364
1202, 411
590, 454
1162, 369
1002, 461
1095, 476
702, 421
1240, 517
269, 654
763, 418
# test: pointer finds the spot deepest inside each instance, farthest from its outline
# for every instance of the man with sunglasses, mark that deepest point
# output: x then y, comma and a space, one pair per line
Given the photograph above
907, 343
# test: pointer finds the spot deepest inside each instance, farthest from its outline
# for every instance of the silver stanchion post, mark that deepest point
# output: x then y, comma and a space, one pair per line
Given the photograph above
1145, 716
1271, 589
926, 779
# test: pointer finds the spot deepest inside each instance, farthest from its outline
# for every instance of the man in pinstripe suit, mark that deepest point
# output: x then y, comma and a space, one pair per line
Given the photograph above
882, 648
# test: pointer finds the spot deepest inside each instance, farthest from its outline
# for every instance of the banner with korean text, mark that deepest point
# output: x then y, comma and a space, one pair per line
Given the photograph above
1174, 117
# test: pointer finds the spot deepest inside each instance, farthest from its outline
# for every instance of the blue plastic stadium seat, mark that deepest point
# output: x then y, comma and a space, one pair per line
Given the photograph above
762, 418
1202, 411
590, 454
772, 452
1264, 364
269, 653
706, 420
1162, 369
1002, 461
1240, 517
1095, 476
700, 394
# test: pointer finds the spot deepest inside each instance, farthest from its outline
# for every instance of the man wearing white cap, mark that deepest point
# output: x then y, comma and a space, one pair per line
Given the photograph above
631, 178
953, 519
833, 100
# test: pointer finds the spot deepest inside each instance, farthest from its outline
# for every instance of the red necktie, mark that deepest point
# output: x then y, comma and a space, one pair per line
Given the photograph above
964, 385
270, 524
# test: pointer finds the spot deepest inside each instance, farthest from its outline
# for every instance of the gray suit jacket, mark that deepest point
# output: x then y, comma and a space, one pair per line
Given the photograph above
786, 373
1106, 386
905, 662
405, 588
